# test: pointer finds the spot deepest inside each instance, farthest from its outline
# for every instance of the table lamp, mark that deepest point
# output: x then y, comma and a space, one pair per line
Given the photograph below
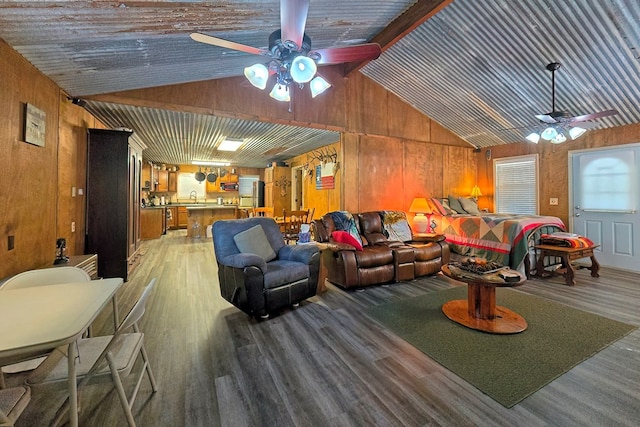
419, 206
475, 192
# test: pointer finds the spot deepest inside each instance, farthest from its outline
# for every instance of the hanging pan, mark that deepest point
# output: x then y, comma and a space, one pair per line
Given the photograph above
200, 176
212, 176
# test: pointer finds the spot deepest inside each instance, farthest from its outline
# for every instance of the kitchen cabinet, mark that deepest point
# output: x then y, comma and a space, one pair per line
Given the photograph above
173, 182
114, 165
183, 219
213, 187
277, 188
172, 218
146, 177
162, 185
152, 223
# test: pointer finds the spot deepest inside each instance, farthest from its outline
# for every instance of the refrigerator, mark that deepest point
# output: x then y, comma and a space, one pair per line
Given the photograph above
258, 194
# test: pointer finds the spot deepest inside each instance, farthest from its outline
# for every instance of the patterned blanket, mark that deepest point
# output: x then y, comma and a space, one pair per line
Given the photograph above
567, 240
496, 237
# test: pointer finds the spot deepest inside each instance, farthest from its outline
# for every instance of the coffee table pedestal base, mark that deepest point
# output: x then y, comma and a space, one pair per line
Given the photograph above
504, 321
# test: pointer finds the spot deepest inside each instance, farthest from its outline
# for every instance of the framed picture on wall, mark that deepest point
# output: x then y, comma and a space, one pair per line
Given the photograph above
34, 125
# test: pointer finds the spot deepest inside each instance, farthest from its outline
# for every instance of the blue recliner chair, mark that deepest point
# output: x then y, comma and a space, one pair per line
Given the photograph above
258, 273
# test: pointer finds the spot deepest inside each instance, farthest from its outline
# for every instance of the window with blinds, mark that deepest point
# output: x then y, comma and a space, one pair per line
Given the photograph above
517, 185
245, 184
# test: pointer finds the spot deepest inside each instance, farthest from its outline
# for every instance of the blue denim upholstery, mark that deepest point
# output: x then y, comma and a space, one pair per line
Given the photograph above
258, 287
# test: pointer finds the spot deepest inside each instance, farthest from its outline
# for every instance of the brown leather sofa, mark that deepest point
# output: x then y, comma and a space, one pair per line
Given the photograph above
381, 260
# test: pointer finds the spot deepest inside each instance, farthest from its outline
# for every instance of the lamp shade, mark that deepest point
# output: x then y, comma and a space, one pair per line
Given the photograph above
576, 132
533, 137
318, 85
549, 133
475, 192
419, 205
280, 92
257, 75
303, 69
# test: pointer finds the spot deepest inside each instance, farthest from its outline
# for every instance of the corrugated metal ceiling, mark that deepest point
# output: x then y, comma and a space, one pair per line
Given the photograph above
477, 67
178, 138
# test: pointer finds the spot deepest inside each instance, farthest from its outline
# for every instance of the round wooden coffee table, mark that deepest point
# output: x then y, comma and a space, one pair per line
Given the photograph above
480, 311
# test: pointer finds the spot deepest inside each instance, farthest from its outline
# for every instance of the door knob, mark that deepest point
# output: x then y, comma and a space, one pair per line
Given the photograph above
577, 214
577, 207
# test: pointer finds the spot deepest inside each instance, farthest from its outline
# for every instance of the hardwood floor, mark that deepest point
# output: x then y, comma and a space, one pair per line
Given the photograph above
326, 363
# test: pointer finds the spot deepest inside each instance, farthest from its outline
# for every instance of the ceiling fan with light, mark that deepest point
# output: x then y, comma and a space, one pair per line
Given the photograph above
559, 124
291, 58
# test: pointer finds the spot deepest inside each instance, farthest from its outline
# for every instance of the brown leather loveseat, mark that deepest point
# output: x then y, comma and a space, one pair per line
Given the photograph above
383, 258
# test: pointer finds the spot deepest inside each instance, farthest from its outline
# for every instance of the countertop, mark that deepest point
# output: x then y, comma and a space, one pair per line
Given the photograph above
195, 206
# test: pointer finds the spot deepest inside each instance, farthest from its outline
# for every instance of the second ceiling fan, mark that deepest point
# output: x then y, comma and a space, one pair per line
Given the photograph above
291, 58
560, 123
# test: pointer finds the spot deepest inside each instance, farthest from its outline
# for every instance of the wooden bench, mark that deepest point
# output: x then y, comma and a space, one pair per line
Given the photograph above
567, 255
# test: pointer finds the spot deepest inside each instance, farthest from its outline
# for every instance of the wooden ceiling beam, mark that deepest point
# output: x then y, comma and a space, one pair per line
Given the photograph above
416, 15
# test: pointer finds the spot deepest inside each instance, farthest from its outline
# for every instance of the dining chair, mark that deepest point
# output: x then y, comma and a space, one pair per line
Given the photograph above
39, 277
265, 212
107, 358
13, 401
292, 220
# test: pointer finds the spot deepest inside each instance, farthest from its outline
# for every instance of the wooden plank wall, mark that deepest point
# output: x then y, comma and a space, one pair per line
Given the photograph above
28, 175
36, 199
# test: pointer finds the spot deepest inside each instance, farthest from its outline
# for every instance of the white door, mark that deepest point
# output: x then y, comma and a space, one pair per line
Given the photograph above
605, 191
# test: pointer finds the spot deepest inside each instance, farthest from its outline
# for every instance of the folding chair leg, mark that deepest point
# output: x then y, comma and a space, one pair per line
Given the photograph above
121, 394
145, 358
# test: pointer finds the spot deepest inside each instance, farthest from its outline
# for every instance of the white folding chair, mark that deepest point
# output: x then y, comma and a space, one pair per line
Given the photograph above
46, 276
12, 402
40, 277
104, 358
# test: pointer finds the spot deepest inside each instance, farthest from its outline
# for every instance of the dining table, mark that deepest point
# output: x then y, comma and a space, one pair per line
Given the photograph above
35, 320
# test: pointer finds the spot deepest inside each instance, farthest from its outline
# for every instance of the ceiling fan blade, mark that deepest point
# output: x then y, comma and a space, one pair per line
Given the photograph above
215, 41
337, 55
293, 19
546, 118
592, 116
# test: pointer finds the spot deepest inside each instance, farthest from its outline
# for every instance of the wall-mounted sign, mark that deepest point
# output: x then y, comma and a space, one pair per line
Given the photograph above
34, 125
324, 177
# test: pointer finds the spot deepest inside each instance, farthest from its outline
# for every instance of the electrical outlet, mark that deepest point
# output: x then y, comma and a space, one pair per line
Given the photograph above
553, 201
73, 227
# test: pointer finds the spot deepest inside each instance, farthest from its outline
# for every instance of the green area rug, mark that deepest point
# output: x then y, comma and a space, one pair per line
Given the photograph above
506, 367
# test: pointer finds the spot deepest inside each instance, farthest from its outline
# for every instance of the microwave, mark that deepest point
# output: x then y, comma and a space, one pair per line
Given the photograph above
229, 186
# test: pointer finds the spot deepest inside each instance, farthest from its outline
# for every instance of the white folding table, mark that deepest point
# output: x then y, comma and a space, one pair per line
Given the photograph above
37, 319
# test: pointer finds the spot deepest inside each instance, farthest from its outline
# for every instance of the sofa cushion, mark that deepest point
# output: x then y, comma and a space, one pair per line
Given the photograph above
374, 256
344, 237
254, 241
371, 228
282, 272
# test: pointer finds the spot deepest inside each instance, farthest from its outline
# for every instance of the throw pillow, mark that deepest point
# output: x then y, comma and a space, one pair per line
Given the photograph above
344, 237
470, 206
445, 204
254, 241
344, 221
396, 226
454, 203
437, 207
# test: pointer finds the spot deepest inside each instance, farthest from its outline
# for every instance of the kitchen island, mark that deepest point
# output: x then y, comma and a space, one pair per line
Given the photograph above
206, 214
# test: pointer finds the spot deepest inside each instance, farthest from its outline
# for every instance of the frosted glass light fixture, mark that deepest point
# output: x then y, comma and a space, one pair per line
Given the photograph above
257, 75
280, 92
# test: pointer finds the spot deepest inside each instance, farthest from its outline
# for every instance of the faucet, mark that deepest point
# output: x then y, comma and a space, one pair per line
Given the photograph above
193, 195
